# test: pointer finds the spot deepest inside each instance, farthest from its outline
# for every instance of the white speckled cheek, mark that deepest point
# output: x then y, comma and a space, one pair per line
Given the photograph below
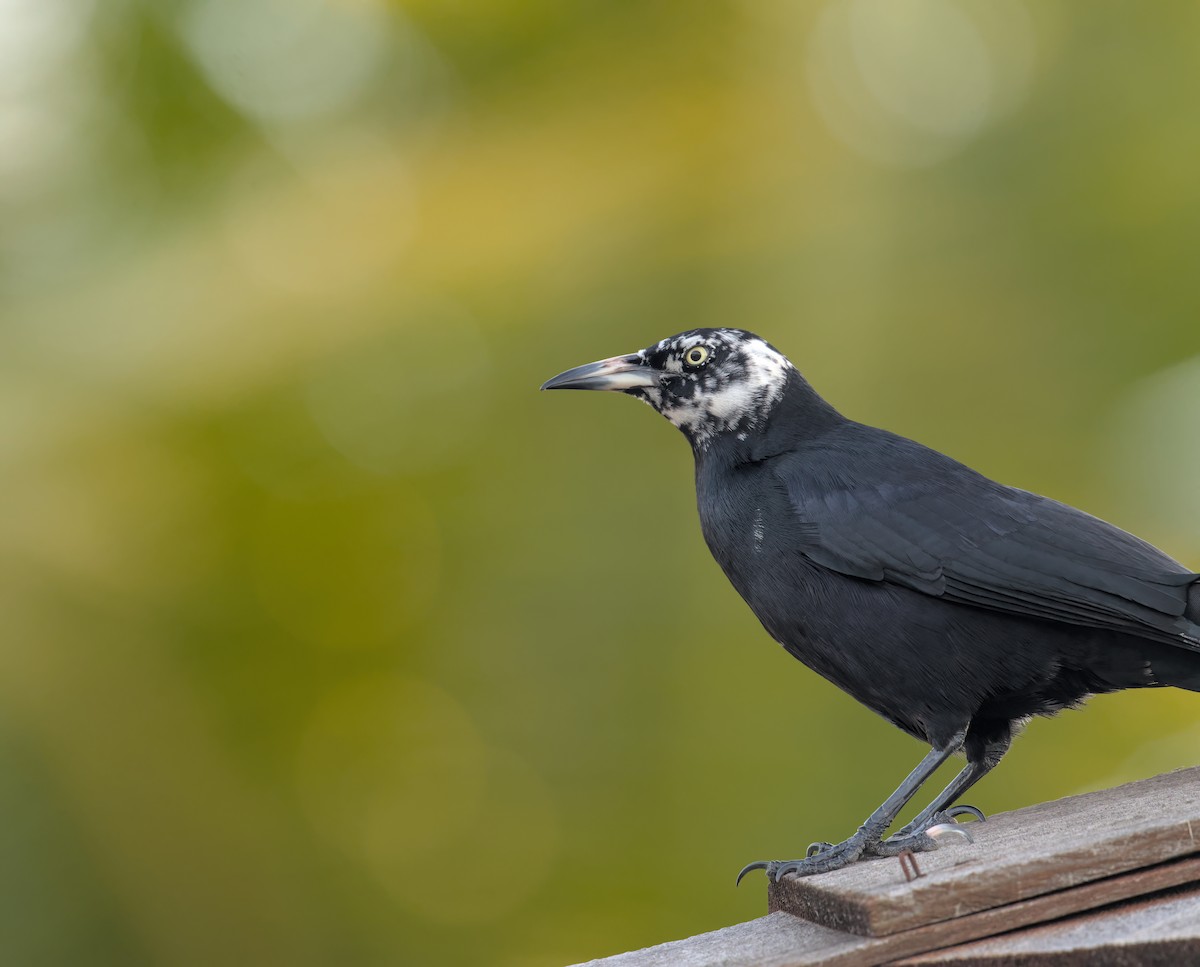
747, 398
732, 402
687, 415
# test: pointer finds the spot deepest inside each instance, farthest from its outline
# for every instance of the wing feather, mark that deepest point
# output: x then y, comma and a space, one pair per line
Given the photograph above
911, 516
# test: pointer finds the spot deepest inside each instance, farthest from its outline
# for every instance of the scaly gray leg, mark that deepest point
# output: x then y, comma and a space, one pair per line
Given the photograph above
984, 754
871, 832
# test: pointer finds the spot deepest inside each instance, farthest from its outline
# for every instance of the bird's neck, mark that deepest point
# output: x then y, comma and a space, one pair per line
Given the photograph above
797, 416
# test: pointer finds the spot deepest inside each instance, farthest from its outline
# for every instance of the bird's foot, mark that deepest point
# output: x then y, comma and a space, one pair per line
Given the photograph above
932, 838
945, 817
819, 858
942, 826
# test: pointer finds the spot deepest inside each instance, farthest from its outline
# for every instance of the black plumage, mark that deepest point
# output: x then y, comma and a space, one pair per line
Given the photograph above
952, 605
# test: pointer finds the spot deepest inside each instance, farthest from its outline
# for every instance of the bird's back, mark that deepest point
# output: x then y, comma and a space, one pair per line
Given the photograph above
882, 507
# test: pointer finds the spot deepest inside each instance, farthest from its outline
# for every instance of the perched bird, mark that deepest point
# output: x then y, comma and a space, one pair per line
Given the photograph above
952, 605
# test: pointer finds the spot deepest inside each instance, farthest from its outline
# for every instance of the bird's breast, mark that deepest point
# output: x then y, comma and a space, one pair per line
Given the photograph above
744, 521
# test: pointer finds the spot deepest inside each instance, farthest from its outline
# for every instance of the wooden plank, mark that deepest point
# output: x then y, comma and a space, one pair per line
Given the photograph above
1032, 912
776, 940
1164, 929
782, 940
1016, 856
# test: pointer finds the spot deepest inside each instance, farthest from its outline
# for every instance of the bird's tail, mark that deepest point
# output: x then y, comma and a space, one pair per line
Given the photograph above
1181, 666
1181, 671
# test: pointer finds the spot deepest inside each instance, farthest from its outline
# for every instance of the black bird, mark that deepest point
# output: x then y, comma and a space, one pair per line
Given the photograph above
952, 605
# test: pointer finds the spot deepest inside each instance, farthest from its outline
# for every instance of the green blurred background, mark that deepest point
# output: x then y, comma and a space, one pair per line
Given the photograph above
327, 638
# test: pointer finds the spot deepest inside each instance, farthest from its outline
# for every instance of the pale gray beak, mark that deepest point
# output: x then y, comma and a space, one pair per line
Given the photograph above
617, 373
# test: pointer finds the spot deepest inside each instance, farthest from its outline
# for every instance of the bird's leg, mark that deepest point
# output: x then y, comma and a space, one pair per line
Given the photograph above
983, 756
915, 835
935, 812
870, 832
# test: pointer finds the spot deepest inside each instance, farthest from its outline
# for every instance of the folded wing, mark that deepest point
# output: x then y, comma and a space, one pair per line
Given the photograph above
915, 517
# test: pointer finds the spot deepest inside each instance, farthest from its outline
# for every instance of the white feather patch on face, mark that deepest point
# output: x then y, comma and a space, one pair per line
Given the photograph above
734, 392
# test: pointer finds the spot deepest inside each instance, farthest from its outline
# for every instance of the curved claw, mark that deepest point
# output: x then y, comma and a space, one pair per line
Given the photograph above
815, 848
964, 810
783, 869
946, 830
760, 865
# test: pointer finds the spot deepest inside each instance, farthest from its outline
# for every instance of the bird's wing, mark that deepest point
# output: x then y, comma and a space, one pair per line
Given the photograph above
911, 516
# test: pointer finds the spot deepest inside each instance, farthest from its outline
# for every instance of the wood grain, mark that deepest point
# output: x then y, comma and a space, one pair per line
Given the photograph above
1163, 929
783, 940
1016, 856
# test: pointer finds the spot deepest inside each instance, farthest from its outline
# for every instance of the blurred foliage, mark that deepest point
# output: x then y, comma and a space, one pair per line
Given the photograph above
328, 638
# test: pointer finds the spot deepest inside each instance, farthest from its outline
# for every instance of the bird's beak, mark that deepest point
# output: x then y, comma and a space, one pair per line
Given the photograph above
617, 373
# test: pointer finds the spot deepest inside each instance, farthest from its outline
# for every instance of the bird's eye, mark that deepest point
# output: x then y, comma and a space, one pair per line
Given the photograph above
696, 356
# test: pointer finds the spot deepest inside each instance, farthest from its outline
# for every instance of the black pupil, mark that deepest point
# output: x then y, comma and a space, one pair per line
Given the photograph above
695, 356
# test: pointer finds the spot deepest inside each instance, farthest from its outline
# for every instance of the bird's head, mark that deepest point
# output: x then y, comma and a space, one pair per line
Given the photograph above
707, 382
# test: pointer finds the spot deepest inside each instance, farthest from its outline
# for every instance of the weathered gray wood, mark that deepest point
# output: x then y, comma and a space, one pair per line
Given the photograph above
1016, 856
1164, 929
782, 940
776, 940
